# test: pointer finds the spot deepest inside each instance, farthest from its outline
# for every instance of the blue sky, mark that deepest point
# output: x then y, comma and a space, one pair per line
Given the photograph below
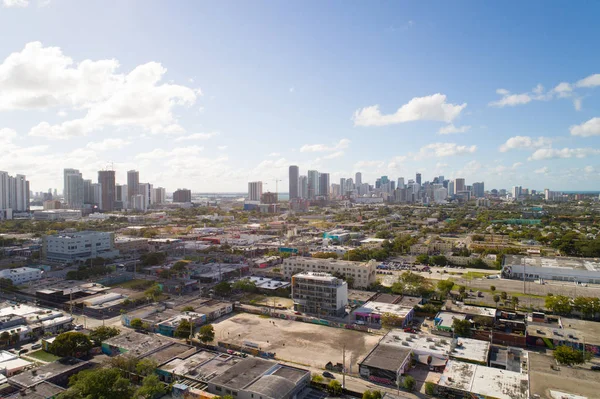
211, 95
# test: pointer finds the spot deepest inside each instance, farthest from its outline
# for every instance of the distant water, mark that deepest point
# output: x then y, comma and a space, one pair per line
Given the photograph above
582, 192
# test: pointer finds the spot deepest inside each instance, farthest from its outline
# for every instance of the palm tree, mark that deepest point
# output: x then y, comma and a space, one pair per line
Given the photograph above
496, 299
515, 302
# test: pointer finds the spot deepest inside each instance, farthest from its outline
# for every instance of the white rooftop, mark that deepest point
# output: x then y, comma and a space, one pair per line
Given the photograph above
463, 348
486, 381
373, 307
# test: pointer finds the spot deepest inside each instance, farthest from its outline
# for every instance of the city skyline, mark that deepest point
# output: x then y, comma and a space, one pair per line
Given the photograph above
388, 91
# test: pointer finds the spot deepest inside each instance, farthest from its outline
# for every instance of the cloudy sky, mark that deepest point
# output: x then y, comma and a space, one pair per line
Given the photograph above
210, 95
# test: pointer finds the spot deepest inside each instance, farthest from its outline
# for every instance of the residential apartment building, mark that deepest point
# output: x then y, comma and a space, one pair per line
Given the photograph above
82, 245
182, 195
293, 181
319, 293
362, 274
255, 190
106, 179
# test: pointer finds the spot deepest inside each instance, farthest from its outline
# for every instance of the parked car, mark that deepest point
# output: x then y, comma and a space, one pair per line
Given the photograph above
359, 322
23, 351
36, 346
595, 368
327, 374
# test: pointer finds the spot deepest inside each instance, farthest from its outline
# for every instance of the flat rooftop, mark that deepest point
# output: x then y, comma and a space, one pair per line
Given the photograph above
358, 295
469, 309
463, 348
138, 344
381, 308
446, 319
590, 264
574, 330
48, 371
486, 381
386, 357
245, 372
318, 261
170, 352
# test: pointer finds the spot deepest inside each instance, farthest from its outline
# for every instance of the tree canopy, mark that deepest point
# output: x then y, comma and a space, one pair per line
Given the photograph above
462, 328
207, 333
102, 333
71, 344
569, 356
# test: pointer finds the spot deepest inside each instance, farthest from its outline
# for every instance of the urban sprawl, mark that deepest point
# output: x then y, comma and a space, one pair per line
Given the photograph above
398, 288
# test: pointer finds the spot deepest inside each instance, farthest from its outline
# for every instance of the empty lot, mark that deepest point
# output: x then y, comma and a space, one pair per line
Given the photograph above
303, 343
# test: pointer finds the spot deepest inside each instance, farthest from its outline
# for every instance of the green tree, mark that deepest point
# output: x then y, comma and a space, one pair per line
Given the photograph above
102, 333
584, 305
153, 293
245, 285
136, 323
493, 288
372, 394
145, 367
515, 302
496, 299
334, 388
390, 320
99, 384
207, 333
504, 295
559, 304
71, 344
151, 387
438, 260
483, 321
325, 255
223, 288
429, 388
568, 356
422, 259
318, 378
183, 329
445, 286
188, 309
462, 328
462, 290
409, 383
179, 267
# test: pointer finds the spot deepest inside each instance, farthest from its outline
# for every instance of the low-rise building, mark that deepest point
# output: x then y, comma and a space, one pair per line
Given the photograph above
319, 293
583, 270
380, 312
21, 275
363, 274
79, 246
466, 380
58, 214
131, 244
255, 378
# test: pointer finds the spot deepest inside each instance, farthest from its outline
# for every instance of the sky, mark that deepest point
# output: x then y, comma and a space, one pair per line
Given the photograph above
209, 95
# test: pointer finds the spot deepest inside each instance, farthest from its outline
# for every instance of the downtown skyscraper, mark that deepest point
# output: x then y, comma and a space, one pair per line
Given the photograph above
293, 181
106, 179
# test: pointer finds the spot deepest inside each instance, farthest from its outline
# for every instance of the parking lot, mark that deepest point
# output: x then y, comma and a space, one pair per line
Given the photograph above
302, 343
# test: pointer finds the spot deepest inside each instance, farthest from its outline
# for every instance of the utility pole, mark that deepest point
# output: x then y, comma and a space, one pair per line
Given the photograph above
344, 366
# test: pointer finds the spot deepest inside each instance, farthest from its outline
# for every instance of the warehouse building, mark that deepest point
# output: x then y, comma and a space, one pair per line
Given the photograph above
582, 270
82, 245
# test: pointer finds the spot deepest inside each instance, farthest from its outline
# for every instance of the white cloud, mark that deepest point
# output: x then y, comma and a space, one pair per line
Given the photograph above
342, 144
428, 108
274, 154
510, 99
553, 153
43, 77
108, 144
197, 136
586, 129
444, 150
180, 152
542, 171
449, 129
7, 135
590, 81
222, 147
524, 142
333, 155
563, 89
15, 3
589, 169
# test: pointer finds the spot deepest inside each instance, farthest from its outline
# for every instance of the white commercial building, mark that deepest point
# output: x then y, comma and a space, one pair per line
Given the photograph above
255, 190
319, 293
363, 274
57, 214
21, 275
582, 270
82, 245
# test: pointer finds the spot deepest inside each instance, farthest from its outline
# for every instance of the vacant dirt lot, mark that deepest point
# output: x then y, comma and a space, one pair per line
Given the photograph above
303, 343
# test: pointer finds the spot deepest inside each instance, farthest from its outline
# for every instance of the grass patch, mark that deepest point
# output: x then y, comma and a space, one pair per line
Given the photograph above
43, 356
264, 316
135, 284
474, 275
